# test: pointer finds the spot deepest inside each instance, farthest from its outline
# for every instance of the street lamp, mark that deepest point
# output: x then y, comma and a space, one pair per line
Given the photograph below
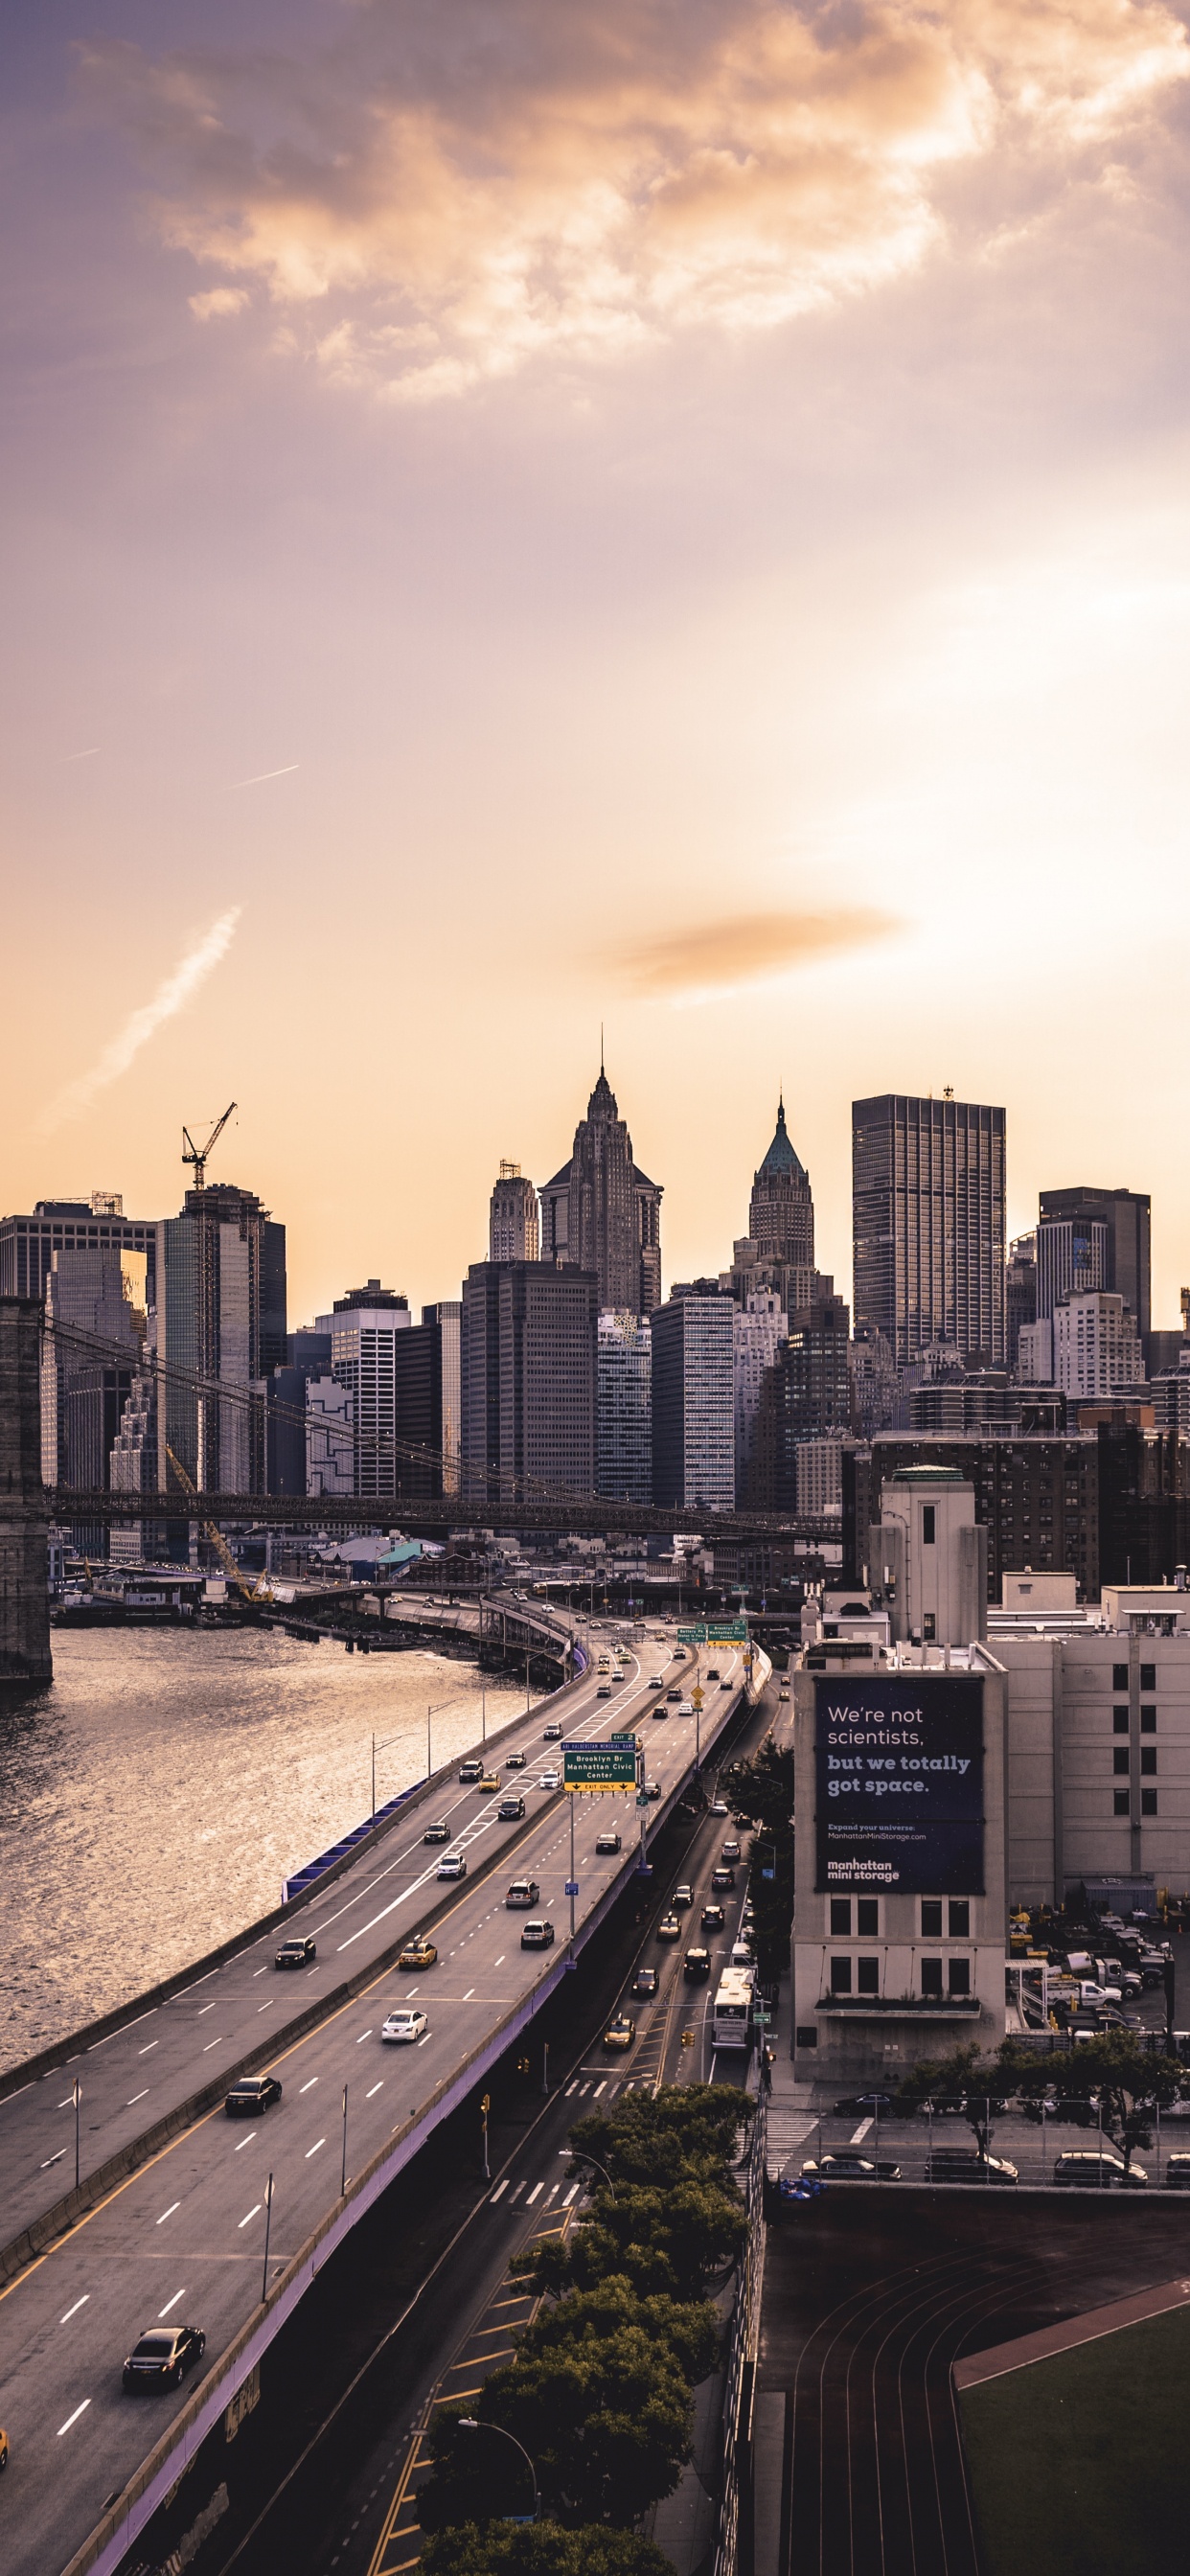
382, 1747
433, 1712
571, 2155
471, 2424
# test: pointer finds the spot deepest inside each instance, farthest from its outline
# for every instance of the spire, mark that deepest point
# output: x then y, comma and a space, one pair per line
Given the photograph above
780, 1156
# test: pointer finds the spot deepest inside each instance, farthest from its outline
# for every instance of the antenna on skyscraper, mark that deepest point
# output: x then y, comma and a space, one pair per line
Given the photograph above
197, 1154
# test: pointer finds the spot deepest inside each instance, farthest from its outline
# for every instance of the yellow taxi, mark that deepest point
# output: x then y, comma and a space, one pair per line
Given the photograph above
418, 1954
490, 1781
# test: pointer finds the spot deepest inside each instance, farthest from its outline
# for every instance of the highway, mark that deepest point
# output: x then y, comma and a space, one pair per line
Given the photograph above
183, 2239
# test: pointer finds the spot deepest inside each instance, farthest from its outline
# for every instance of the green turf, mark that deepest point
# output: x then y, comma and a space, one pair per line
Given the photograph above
1080, 2465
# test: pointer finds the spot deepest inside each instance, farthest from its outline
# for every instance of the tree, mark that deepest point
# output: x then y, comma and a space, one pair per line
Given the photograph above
605, 2419
665, 2240
544, 2549
688, 2330
657, 2139
761, 1794
1110, 2068
975, 2083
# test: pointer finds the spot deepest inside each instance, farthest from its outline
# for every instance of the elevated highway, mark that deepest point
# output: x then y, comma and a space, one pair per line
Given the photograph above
183, 2238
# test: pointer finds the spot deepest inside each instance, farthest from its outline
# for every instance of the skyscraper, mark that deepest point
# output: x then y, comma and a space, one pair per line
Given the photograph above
624, 1411
527, 1365
928, 1221
1125, 1213
602, 1213
221, 1317
513, 1229
781, 1215
366, 1326
694, 1402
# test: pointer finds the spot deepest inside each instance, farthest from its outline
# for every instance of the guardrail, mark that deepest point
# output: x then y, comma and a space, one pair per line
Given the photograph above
741, 2360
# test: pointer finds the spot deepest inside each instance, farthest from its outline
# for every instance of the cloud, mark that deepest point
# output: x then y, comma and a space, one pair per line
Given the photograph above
743, 950
169, 998
450, 195
218, 302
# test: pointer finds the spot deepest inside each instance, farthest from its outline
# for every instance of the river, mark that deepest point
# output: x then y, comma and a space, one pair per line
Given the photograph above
154, 1797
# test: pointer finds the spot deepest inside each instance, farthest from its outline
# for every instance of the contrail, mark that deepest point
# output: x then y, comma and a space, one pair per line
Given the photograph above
169, 998
82, 755
259, 781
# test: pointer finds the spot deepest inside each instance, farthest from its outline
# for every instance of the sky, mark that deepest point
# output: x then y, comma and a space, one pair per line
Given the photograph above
520, 520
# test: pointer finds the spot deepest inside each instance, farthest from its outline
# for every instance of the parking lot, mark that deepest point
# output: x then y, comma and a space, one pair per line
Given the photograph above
914, 2142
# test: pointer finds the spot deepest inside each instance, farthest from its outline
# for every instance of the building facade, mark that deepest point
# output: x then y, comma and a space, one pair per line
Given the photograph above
693, 1371
366, 1326
1020, 1293
1073, 1257
514, 1232
1096, 1347
928, 1220
759, 1332
1126, 1215
528, 1357
602, 1213
624, 1410
221, 1323
95, 1225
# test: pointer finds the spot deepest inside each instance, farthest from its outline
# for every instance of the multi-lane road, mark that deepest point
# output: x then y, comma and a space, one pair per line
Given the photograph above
183, 2239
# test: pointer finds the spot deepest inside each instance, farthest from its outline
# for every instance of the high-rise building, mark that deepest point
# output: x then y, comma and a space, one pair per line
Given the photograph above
1020, 1292
365, 1327
781, 1215
97, 1224
624, 1410
928, 1216
221, 1316
1096, 1346
528, 1375
694, 1402
602, 1213
428, 1397
758, 1334
1126, 1215
806, 1396
1073, 1257
513, 1228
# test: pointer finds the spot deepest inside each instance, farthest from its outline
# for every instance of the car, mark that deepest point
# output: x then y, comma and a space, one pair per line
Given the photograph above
645, 1982
452, 1865
510, 1810
718, 1807
965, 2164
621, 2032
849, 2168
515, 1761
295, 1954
418, 1953
651, 1791
656, 1681
728, 1686
604, 1691
712, 1672
686, 1708
538, 1935
252, 2094
409, 2022
608, 1842
855, 2104
697, 1964
552, 1734
783, 1693
660, 1710
470, 1771
439, 1833
1177, 2173
550, 1780
674, 1697
1097, 2169
683, 1895
490, 1781
163, 2356
523, 1891
723, 1877
729, 1851
669, 1928
712, 1918
679, 1655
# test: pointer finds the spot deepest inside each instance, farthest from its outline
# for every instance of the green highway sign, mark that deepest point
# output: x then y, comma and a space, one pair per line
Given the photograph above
716, 1632
608, 1765
692, 1636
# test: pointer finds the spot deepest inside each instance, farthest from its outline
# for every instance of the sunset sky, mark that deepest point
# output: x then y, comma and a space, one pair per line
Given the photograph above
522, 516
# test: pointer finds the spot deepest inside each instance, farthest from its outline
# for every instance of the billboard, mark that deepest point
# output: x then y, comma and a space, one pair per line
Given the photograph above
899, 1781
610, 1765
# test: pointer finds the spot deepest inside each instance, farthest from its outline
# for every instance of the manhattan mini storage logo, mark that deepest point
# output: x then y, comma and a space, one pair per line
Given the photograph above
900, 1786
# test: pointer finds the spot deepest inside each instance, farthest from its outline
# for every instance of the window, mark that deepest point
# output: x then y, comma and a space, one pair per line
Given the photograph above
1148, 1677
927, 1524
929, 1627
867, 1917
841, 1917
807, 2036
868, 1976
1119, 1677
1148, 1802
931, 1918
1119, 1761
1148, 1721
959, 1919
840, 1976
1121, 1805
958, 1976
1119, 1721
1148, 1757
931, 1976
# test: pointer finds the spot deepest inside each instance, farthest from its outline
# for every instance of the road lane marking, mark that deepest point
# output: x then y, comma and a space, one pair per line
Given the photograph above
73, 2312
312, 2151
572, 2194
517, 2189
376, 2088
861, 2132
537, 2187
500, 2187
552, 2195
213, 2043
260, 1972
306, 2088
498, 1963
468, 1995
266, 2007
67, 2105
170, 2303
143, 2052
253, 2213
73, 2419
137, 2097
246, 2142
167, 2213
599, 2089
423, 2042
364, 2034
52, 2160
204, 2008
571, 2088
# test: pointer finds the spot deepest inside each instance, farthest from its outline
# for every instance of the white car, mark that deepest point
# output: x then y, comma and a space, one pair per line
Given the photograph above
408, 2024
656, 1681
549, 1780
452, 1865
686, 1708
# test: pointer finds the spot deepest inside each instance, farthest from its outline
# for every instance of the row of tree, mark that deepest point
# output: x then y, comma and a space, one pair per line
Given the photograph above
761, 1796
1111, 2075
599, 2392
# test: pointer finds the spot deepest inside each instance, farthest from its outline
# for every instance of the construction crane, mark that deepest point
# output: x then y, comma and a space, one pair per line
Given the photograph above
259, 1591
198, 1154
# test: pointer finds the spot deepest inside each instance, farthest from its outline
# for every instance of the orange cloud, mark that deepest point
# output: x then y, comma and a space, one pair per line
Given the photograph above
461, 192
743, 950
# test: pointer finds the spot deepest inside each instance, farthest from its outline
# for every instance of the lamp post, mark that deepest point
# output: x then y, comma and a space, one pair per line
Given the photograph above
572, 2156
268, 2222
343, 2177
471, 2424
382, 1747
78, 2095
431, 1713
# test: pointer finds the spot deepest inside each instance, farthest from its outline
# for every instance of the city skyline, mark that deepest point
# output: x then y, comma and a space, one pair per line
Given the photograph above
770, 638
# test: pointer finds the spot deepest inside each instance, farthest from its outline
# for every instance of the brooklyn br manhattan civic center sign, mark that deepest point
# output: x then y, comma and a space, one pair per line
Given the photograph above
899, 1763
610, 1764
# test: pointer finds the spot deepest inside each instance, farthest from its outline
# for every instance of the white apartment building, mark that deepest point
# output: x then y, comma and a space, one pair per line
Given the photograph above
1096, 1345
363, 1362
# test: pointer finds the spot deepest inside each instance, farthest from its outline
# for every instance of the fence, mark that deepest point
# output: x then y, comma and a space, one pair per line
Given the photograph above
737, 2405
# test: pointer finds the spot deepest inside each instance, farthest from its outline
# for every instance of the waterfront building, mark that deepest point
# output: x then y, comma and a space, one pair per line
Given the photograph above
928, 1220
513, 1226
365, 1326
528, 1349
624, 1409
1096, 1348
98, 1296
694, 1400
221, 1322
1126, 1215
601, 1213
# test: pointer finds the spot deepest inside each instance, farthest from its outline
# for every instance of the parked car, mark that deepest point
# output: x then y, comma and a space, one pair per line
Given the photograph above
712, 1918
850, 2168
1177, 2173
418, 1953
965, 2164
858, 2103
252, 2094
439, 1833
669, 1928
607, 1842
408, 2022
645, 1982
510, 1810
452, 1865
538, 1935
523, 1891
1098, 2169
295, 1954
163, 2356
621, 2032
697, 1965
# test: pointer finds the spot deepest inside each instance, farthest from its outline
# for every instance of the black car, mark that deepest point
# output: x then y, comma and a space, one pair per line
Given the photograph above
861, 2102
510, 1809
723, 1877
436, 1834
711, 1918
645, 1981
607, 1842
697, 1966
163, 2356
295, 1954
253, 2093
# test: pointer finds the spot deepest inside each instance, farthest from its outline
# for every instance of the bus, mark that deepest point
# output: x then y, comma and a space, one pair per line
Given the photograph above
731, 2021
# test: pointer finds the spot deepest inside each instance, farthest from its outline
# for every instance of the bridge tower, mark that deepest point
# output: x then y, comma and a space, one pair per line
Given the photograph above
24, 1525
